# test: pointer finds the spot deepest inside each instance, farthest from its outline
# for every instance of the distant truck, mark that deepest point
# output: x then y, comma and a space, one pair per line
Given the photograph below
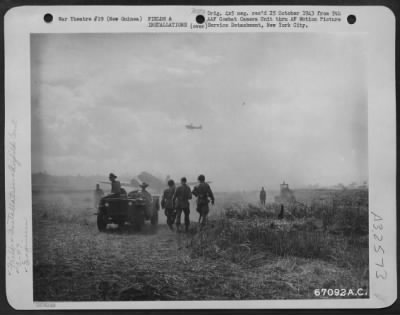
286, 195
132, 208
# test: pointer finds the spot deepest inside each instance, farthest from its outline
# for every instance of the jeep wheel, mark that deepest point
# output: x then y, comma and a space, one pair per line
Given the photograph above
101, 222
138, 221
154, 218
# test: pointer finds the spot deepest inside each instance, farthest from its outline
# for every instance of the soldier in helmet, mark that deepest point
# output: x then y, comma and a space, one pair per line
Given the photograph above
204, 194
167, 203
181, 201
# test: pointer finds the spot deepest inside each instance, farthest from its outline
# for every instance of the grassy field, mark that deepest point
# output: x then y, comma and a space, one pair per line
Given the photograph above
245, 252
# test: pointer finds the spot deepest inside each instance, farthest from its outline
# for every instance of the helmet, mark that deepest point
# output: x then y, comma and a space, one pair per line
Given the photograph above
171, 183
144, 185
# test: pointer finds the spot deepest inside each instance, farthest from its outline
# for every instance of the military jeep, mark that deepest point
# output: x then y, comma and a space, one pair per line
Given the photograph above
133, 208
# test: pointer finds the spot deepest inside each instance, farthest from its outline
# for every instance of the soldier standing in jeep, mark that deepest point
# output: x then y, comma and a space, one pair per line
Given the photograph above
115, 184
204, 194
167, 203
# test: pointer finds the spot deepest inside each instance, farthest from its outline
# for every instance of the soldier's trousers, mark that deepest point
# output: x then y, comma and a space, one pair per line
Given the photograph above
170, 214
203, 210
179, 211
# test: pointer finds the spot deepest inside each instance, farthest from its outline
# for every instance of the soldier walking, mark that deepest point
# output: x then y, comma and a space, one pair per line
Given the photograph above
167, 203
263, 196
204, 194
181, 202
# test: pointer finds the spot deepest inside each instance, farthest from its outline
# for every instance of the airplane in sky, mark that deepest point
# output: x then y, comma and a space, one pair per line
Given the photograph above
191, 127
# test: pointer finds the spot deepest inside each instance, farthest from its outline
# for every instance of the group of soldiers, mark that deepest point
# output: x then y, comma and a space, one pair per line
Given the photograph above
175, 200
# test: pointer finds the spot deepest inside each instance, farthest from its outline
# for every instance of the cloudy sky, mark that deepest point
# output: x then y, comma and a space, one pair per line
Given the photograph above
273, 106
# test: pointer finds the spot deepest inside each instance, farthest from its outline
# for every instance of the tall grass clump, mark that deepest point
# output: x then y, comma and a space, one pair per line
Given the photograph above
225, 235
345, 213
243, 232
250, 211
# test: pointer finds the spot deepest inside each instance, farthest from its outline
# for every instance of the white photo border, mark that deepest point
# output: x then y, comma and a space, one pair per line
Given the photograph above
378, 22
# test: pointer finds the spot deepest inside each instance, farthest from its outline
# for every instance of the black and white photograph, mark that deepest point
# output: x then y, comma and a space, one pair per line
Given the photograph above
179, 157
199, 166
